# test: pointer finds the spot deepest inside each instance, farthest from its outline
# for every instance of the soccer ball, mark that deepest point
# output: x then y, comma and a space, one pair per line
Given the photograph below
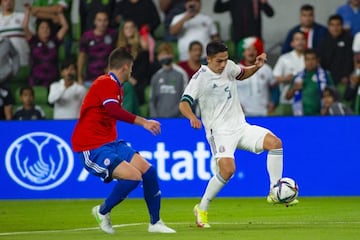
285, 190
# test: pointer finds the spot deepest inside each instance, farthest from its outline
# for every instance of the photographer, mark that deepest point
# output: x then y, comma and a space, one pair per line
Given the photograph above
192, 25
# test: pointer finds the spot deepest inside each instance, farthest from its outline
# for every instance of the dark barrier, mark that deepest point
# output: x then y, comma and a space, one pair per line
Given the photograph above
321, 153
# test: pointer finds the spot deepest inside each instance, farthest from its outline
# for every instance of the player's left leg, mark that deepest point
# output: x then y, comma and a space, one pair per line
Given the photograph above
274, 158
152, 194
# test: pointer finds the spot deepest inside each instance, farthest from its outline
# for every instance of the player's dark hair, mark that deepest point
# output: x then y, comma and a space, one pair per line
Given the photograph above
22, 89
194, 43
119, 57
335, 17
67, 63
307, 7
215, 47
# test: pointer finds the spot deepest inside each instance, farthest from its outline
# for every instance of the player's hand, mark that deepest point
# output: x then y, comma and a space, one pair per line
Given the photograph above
261, 60
152, 126
195, 123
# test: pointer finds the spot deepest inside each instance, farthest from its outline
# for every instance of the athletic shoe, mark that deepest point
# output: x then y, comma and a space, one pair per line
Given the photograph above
273, 200
201, 217
160, 227
104, 221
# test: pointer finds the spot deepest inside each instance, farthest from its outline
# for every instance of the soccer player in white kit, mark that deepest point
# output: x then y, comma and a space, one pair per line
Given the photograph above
214, 86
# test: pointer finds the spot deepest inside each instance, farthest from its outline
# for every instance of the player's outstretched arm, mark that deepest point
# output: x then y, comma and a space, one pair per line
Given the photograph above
250, 70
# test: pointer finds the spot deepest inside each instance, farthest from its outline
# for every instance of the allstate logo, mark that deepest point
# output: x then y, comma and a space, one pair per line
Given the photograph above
39, 161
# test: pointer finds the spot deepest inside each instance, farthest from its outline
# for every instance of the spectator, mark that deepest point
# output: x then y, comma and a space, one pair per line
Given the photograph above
44, 50
6, 103
130, 101
255, 92
95, 47
89, 9
11, 26
308, 85
336, 50
286, 67
28, 110
192, 25
51, 10
314, 32
352, 93
245, 17
9, 61
351, 15
130, 39
193, 64
142, 12
331, 104
67, 94
356, 43
167, 86
170, 8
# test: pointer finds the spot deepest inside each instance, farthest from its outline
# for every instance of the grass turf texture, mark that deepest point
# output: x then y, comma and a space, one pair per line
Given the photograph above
231, 218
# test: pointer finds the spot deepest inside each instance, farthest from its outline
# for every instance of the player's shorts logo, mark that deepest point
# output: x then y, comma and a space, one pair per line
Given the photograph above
39, 161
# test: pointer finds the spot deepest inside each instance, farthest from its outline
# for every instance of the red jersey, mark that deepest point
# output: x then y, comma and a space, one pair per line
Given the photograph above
95, 126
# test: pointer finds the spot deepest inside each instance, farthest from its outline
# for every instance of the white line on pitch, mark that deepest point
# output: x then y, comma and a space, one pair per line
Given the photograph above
177, 223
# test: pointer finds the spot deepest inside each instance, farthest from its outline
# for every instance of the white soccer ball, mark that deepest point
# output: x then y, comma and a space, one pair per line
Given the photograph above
285, 190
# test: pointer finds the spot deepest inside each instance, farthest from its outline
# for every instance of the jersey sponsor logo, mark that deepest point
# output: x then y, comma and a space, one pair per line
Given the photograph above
39, 161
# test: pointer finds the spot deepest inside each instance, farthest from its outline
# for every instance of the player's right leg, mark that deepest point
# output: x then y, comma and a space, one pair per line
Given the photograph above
152, 194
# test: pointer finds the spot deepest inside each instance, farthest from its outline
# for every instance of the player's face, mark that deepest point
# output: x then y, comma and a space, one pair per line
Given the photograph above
127, 69
69, 73
311, 62
335, 28
307, 18
101, 22
218, 62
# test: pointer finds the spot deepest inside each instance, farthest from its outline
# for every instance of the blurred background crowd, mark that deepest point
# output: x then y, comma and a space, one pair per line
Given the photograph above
52, 50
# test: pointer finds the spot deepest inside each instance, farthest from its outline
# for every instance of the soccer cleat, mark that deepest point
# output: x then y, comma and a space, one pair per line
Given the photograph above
273, 200
160, 227
201, 217
292, 203
104, 221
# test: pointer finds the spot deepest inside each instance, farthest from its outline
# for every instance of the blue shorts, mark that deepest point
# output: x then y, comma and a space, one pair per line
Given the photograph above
102, 161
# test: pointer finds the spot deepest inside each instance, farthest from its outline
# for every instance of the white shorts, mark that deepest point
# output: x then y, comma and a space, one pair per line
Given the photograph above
248, 137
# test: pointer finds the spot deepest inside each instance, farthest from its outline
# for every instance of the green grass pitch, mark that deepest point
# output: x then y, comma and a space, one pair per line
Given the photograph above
328, 218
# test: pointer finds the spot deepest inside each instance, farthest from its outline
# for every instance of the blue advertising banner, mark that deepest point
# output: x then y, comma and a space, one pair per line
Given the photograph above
320, 153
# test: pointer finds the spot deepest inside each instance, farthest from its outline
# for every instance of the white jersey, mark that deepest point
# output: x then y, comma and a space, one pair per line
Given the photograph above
200, 28
254, 92
288, 63
217, 96
67, 101
11, 27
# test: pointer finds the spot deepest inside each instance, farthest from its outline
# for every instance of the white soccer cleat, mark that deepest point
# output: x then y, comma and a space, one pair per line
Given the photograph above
160, 227
104, 221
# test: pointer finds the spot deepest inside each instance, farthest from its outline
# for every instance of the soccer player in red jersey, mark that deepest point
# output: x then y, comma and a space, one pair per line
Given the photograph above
95, 139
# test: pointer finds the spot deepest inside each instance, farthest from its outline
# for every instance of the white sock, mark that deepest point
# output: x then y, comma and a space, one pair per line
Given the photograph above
216, 183
275, 165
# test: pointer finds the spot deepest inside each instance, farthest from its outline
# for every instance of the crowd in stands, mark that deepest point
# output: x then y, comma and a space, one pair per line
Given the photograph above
47, 63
